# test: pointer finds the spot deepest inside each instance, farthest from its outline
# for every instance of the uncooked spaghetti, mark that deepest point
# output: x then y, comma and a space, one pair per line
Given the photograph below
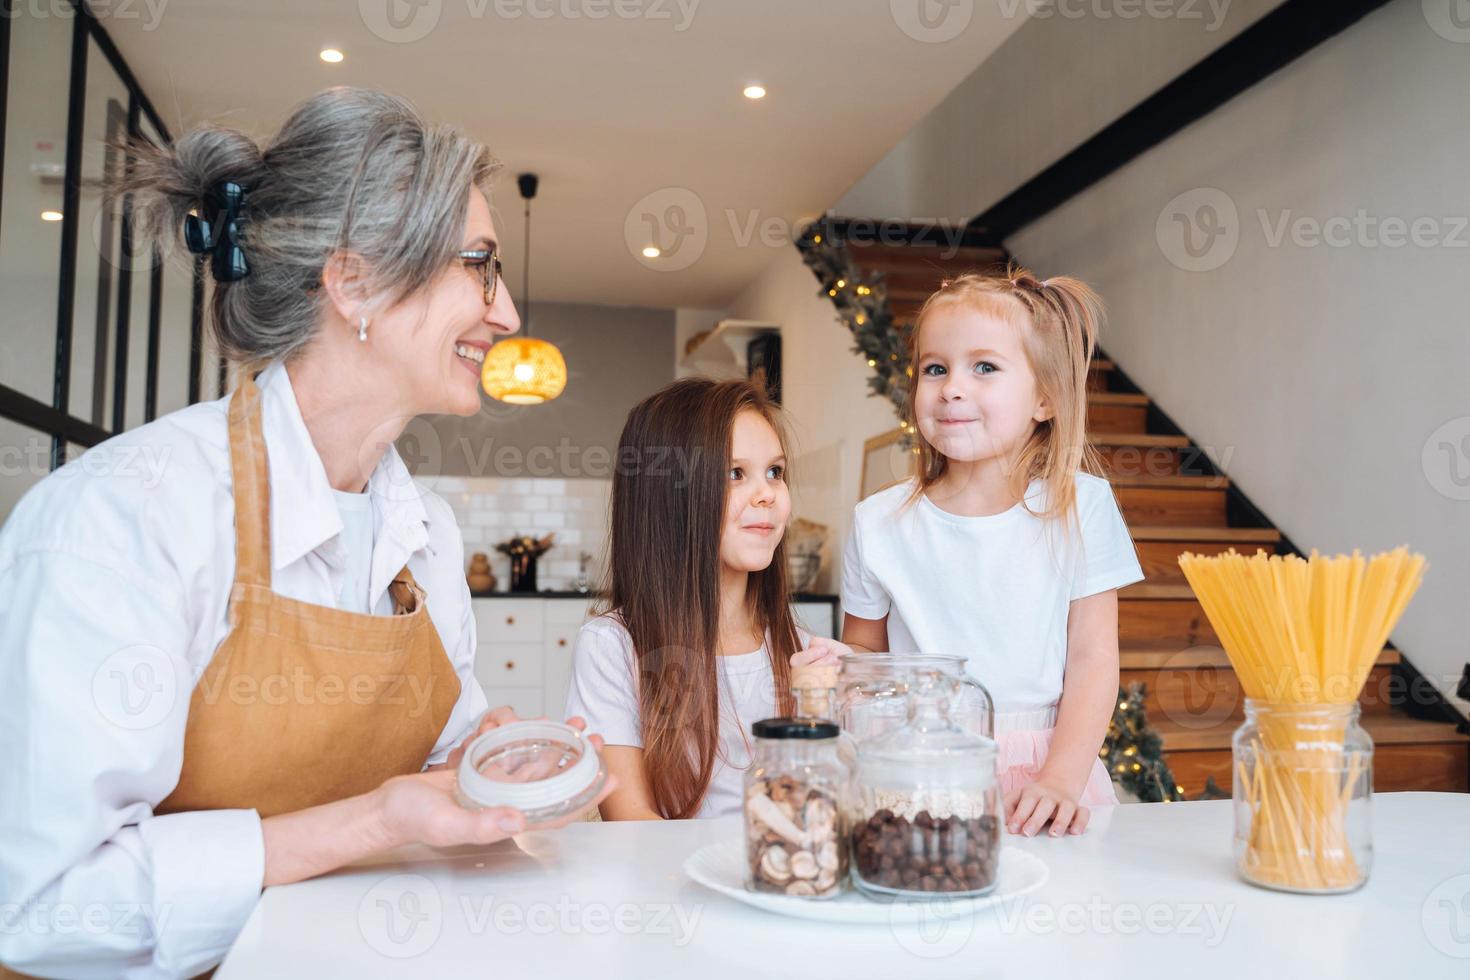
1302, 633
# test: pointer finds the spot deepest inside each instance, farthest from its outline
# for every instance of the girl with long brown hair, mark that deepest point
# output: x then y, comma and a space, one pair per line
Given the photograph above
1004, 548
699, 637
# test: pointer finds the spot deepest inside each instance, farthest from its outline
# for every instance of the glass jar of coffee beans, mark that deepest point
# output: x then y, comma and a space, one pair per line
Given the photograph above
927, 803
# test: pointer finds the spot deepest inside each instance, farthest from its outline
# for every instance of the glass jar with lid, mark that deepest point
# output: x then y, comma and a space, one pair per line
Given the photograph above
872, 693
927, 801
794, 825
545, 769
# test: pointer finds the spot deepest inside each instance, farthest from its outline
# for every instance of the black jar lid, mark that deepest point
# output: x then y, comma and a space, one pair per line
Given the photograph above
801, 728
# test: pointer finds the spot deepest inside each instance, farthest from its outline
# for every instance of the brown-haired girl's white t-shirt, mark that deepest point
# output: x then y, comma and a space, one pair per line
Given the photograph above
604, 690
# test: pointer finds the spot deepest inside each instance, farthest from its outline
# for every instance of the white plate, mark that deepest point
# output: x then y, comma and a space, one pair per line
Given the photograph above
722, 867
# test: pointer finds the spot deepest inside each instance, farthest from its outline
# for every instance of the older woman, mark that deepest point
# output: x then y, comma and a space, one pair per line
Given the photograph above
261, 669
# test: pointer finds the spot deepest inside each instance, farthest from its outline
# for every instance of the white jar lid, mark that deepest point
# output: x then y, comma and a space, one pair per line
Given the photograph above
544, 768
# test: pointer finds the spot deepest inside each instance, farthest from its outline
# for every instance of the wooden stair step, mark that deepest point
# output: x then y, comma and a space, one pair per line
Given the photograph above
1150, 590
1151, 622
1143, 440
1165, 656
1177, 481
1408, 754
1166, 505
877, 254
1118, 398
1224, 535
1203, 696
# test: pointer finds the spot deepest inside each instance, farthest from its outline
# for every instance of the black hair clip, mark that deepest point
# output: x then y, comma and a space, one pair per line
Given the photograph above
217, 231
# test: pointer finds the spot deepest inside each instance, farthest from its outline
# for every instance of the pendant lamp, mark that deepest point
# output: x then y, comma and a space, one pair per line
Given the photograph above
524, 370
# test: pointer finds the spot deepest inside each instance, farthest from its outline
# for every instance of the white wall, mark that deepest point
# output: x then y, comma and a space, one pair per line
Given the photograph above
1075, 67
1330, 380
824, 392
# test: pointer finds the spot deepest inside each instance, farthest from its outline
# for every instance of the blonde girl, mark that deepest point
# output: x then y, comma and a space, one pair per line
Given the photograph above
1005, 548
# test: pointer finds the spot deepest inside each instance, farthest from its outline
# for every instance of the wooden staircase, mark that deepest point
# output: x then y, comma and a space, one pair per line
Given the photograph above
1175, 501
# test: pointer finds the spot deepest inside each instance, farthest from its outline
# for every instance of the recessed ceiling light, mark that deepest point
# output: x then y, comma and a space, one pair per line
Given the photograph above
49, 215
331, 55
755, 91
651, 252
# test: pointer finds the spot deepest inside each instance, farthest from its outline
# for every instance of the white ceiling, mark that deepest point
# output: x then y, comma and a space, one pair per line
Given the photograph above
607, 110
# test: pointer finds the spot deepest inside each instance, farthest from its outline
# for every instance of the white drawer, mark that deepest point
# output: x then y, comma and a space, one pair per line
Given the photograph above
509, 665
527, 702
509, 620
571, 612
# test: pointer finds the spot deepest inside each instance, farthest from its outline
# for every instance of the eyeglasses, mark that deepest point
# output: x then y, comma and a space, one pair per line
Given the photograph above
488, 263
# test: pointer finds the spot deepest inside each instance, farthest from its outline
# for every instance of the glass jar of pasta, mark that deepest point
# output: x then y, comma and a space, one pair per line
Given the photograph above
927, 802
1303, 791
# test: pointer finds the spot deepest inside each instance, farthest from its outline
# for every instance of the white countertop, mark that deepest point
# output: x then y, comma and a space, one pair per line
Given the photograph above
1148, 891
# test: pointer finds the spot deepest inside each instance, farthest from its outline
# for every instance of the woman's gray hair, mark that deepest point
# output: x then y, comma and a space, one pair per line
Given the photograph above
351, 171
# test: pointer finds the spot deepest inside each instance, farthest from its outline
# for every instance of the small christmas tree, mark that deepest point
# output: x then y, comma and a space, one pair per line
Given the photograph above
1133, 752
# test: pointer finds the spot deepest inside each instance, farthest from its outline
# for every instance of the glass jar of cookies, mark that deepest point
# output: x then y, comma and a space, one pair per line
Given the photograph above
794, 826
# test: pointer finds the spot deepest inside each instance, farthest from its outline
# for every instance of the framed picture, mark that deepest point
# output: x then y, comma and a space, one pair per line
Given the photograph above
886, 461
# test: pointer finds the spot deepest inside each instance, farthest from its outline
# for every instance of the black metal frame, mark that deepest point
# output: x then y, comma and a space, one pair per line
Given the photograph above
115, 313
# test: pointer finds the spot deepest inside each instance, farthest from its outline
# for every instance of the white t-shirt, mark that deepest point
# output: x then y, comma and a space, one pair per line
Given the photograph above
357, 544
993, 589
604, 690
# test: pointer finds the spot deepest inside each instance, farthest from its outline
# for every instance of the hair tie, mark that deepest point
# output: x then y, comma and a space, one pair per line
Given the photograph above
218, 231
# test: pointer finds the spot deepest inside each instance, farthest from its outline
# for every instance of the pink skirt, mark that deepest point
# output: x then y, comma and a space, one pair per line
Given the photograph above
1023, 751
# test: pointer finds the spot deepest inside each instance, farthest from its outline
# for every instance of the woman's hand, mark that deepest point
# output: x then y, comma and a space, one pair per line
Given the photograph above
421, 808
823, 652
1029, 808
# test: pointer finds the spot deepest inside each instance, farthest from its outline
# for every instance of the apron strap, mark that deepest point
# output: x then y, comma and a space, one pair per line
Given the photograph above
252, 487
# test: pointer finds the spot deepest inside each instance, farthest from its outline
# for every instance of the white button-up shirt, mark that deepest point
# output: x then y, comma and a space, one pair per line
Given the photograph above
116, 573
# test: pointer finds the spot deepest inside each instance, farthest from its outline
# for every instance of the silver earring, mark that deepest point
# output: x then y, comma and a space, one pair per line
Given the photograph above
362, 329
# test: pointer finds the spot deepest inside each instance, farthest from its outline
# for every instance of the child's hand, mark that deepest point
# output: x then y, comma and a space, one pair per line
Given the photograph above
823, 652
1029, 808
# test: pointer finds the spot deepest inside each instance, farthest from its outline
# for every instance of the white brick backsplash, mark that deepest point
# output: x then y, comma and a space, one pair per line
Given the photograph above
492, 509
